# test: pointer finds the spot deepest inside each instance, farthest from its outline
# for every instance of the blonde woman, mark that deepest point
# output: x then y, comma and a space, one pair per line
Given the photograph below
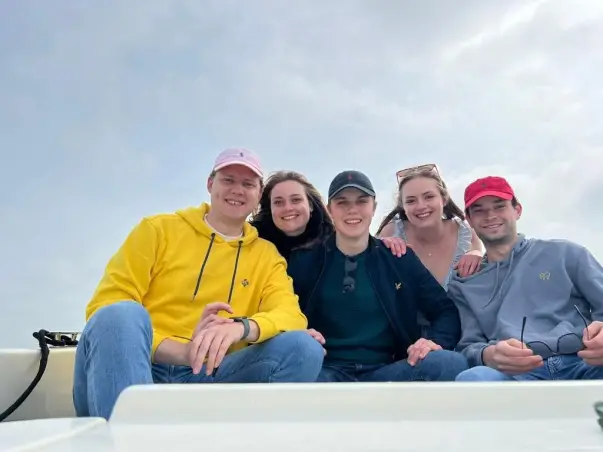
429, 221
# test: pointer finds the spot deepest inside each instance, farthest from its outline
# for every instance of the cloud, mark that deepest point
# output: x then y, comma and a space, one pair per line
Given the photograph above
114, 110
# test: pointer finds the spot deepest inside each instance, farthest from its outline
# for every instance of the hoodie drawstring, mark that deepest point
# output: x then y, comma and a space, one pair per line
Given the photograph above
234, 273
206, 258
497, 288
211, 242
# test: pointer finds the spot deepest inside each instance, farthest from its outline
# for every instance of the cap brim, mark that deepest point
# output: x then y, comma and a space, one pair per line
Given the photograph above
498, 194
364, 190
253, 168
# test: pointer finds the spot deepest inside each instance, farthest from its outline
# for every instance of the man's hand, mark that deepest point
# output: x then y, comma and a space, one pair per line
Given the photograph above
210, 316
419, 350
318, 336
593, 354
511, 357
212, 343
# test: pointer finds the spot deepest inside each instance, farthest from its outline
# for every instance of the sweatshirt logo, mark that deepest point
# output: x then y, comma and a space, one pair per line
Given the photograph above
244, 283
398, 286
545, 276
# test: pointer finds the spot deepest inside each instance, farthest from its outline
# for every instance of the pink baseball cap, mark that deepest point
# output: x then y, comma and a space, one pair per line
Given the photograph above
238, 156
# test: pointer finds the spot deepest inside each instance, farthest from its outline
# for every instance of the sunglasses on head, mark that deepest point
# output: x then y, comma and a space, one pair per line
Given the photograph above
417, 169
571, 342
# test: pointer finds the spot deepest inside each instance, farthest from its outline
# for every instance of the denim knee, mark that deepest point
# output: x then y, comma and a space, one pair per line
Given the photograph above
482, 373
120, 314
117, 317
444, 365
300, 343
306, 350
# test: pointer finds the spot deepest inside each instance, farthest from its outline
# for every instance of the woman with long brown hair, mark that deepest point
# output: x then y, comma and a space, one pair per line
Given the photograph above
430, 222
292, 214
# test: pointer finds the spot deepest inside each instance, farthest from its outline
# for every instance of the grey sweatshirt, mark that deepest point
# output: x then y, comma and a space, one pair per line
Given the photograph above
541, 280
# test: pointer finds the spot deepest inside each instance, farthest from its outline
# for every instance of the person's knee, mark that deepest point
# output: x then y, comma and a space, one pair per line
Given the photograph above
300, 344
481, 373
120, 316
444, 364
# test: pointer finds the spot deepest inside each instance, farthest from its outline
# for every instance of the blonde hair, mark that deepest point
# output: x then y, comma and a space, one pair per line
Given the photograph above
451, 210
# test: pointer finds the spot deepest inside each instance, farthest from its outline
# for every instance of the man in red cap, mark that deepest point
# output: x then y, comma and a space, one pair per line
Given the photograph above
195, 296
534, 311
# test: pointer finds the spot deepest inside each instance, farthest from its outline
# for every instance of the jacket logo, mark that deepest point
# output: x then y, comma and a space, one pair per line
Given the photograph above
545, 276
398, 286
244, 283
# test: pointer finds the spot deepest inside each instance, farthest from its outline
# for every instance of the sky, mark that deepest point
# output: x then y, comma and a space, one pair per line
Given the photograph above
111, 111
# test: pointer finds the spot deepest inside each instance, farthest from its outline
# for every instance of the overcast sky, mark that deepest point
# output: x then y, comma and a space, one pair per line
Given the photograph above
113, 110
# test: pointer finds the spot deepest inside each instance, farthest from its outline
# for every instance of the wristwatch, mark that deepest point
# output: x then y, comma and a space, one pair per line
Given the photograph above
245, 322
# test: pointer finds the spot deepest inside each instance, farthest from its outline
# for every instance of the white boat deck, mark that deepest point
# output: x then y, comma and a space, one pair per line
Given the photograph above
52, 397
531, 416
467, 417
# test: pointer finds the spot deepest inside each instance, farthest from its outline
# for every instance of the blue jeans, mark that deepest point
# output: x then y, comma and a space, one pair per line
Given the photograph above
114, 352
438, 365
562, 367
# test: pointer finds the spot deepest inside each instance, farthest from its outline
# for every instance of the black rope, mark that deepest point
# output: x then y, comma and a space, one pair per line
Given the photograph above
44, 339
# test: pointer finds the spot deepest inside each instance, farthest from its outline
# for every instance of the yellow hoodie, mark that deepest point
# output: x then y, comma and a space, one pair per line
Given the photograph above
174, 264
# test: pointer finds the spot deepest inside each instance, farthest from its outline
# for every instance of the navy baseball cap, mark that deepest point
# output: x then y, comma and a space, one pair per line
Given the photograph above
351, 179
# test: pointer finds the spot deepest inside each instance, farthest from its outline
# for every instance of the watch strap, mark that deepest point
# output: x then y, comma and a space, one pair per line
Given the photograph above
245, 322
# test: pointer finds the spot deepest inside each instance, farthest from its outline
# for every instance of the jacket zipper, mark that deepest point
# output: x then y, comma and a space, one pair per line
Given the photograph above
311, 296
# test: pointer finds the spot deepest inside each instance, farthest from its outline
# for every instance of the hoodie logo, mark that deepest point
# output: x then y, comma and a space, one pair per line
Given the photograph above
545, 276
398, 286
244, 283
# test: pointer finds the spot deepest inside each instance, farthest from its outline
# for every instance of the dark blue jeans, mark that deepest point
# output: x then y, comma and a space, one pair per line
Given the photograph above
439, 365
564, 367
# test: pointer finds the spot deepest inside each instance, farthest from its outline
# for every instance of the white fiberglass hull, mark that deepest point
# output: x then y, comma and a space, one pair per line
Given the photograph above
489, 417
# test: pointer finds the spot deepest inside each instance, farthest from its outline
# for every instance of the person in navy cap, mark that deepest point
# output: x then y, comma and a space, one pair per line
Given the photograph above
534, 310
363, 303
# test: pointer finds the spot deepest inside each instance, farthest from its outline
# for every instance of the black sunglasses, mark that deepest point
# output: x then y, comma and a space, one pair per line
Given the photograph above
571, 341
349, 283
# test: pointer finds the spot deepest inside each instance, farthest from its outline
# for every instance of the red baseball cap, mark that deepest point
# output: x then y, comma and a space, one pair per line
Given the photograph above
488, 186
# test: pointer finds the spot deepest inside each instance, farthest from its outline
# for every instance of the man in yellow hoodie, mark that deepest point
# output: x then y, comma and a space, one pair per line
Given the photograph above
195, 297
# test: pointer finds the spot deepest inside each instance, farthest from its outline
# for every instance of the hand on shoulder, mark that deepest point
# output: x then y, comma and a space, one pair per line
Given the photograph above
395, 244
469, 263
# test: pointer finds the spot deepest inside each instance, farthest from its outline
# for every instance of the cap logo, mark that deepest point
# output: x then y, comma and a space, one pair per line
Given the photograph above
484, 185
349, 177
241, 154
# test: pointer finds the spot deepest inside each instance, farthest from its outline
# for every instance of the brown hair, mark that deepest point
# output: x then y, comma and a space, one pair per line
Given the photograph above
319, 226
451, 210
